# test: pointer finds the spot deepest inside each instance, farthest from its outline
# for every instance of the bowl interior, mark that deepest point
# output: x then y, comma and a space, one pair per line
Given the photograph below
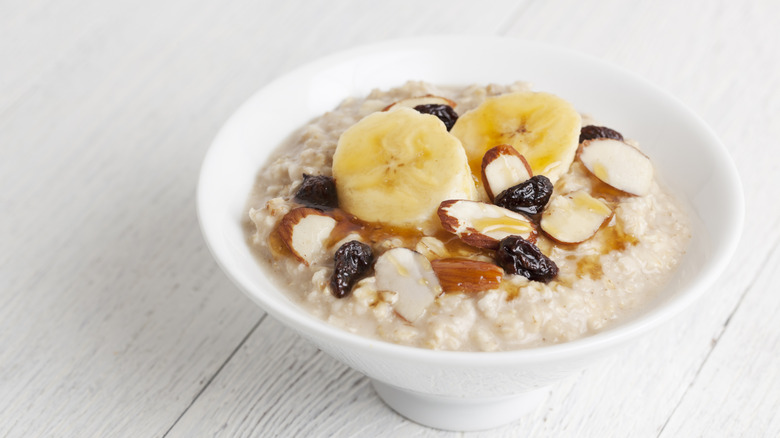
687, 155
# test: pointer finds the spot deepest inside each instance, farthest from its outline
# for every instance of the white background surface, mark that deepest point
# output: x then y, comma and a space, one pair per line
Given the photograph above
115, 321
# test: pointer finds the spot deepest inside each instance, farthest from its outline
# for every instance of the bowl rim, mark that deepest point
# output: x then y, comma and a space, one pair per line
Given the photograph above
312, 327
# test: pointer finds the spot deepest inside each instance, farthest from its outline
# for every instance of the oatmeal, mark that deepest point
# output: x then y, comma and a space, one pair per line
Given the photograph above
478, 218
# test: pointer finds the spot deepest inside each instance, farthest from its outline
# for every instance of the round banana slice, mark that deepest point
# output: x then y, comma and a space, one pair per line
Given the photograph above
543, 127
396, 167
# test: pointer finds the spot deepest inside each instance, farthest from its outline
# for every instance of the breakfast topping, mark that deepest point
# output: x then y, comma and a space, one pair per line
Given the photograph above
351, 262
574, 217
483, 225
519, 256
317, 191
465, 231
542, 127
502, 168
412, 102
465, 275
410, 275
592, 132
529, 197
305, 231
618, 164
396, 167
445, 113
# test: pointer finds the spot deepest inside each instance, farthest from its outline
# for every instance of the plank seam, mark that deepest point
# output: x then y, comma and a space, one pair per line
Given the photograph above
216, 373
714, 343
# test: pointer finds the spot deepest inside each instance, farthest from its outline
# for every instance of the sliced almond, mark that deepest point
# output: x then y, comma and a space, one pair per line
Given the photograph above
410, 275
305, 231
574, 217
412, 102
483, 225
465, 275
502, 168
618, 164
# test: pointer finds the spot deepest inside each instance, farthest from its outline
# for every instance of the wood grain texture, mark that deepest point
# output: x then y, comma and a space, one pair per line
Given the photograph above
115, 321
112, 309
739, 380
275, 382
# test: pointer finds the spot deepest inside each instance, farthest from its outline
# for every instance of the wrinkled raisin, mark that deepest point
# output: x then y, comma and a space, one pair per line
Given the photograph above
591, 132
529, 197
519, 256
445, 113
352, 261
317, 191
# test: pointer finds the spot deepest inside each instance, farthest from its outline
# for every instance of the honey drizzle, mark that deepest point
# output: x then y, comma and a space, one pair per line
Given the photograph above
615, 238
277, 246
590, 266
371, 232
612, 237
600, 189
374, 233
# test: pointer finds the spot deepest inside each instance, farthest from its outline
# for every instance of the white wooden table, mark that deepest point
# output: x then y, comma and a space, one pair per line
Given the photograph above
115, 321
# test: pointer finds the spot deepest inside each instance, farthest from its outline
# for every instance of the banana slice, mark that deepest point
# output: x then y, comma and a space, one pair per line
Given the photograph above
543, 127
396, 167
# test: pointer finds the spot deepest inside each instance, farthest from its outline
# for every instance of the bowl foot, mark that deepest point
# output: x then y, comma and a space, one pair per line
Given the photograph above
459, 414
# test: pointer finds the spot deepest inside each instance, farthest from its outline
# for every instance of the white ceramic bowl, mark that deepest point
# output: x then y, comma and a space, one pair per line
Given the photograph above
467, 390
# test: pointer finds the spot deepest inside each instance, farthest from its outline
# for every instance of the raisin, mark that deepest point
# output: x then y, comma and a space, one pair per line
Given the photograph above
591, 132
529, 197
445, 113
352, 261
519, 256
317, 191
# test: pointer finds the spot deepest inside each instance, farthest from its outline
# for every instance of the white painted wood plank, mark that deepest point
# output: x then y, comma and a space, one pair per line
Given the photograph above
112, 310
279, 385
738, 388
36, 36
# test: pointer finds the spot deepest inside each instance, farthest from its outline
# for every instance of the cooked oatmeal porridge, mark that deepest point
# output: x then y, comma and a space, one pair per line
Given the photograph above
479, 218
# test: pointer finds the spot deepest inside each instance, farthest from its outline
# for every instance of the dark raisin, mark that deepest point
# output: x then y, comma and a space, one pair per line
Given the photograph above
591, 132
529, 197
445, 113
352, 261
519, 256
317, 191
